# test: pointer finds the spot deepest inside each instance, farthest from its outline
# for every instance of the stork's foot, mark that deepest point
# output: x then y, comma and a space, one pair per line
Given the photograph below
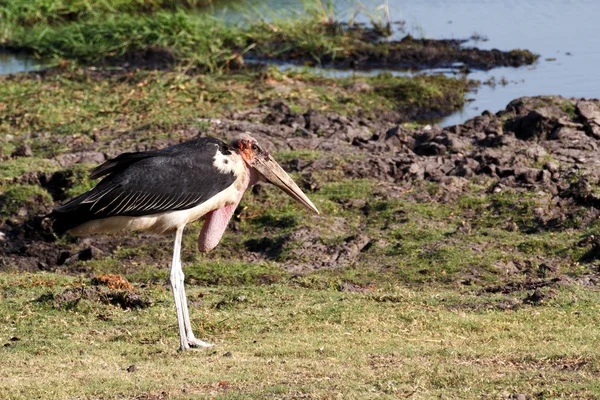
184, 347
197, 343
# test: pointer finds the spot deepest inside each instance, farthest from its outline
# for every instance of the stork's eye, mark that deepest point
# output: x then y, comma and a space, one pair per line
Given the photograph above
254, 147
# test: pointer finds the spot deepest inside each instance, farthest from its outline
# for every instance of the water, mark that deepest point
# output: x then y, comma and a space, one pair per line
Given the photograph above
567, 30
13, 63
552, 28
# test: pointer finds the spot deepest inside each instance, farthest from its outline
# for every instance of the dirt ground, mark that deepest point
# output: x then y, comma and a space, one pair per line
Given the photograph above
540, 148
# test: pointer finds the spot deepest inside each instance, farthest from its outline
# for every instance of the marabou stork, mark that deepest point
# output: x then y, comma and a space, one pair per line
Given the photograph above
164, 190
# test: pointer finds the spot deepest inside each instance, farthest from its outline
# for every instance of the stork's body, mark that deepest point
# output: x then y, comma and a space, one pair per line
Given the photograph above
164, 190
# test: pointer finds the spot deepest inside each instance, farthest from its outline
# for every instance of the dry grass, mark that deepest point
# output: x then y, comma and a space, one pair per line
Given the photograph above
281, 341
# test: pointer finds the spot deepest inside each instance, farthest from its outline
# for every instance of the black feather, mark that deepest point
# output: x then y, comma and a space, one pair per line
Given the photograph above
119, 163
145, 183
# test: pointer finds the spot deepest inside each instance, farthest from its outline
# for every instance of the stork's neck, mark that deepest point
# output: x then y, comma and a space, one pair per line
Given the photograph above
217, 220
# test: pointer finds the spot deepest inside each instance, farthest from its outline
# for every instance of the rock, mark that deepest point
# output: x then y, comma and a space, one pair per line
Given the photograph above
84, 157
536, 152
531, 126
467, 168
398, 137
23, 150
416, 170
456, 144
594, 131
589, 111
507, 268
545, 176
315, 121
566, 133
527, 175
83, 255
430, 149
360, 87
361, 133
551, 166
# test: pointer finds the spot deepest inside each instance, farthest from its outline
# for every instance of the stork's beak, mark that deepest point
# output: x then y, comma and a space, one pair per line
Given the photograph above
273, 173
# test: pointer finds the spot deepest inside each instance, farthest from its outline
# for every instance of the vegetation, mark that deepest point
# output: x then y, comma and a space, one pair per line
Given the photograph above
84, 104
174, 32
28, 13
388, 293
281, 341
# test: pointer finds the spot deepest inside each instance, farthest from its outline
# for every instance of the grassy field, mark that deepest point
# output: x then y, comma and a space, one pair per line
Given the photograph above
289, 341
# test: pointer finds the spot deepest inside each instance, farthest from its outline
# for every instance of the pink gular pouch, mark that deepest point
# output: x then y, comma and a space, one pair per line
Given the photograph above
216, 221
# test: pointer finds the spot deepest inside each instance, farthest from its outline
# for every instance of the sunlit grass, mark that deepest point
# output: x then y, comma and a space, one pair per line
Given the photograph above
294, 341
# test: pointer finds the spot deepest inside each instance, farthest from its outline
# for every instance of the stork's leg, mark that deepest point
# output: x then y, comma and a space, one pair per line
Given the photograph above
191, 339
177, 286
186, 336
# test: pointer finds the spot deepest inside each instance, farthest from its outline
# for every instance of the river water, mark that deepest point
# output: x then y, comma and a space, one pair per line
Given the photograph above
566, 33
13, 63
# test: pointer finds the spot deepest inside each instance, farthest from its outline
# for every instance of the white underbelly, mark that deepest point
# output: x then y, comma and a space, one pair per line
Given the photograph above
158, 223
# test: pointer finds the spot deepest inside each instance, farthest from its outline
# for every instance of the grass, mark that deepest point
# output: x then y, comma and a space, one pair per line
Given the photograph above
174, 32
292, 342
32, 197
209, 42
78, 103
27, 13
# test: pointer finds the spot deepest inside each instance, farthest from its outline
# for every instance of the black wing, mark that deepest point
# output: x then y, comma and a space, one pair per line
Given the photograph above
146, 183
121, 162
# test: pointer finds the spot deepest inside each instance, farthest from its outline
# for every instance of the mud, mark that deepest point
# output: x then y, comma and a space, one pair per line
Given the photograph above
414, 54
545, 146
70, 298
370, 49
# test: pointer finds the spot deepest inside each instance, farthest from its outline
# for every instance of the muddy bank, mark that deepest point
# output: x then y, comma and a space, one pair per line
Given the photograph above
409, 53
154, 42
536, 161
361, 48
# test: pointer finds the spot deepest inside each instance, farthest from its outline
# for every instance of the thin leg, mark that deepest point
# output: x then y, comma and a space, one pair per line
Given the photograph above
177, 285
186, 335
192, 341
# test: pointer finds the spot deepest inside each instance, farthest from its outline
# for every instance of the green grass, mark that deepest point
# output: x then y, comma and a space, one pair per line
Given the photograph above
31, 12
32, 197
89, 32
19, 166
298, 342
79, 104
208, 42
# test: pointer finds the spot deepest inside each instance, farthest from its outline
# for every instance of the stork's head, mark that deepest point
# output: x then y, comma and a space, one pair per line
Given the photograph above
268, 169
